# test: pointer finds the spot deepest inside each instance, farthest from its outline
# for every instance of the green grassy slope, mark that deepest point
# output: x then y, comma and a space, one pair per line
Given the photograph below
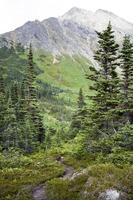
67, 75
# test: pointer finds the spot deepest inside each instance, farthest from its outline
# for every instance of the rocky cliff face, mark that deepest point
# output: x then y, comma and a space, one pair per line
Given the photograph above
72, 33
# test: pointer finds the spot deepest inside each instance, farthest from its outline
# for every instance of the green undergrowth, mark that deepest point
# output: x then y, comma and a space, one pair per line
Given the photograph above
19, 174
89, 186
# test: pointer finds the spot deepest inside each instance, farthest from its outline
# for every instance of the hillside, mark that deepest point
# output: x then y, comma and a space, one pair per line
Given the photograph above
58, 79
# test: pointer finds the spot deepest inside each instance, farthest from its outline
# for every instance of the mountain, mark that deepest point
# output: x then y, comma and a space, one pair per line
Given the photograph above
98, 20
72, 33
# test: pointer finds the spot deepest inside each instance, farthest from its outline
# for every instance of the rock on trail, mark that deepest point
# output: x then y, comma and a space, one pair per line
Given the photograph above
39, 193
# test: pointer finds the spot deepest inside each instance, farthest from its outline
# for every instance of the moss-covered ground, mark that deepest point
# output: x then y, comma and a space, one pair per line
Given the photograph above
20, 174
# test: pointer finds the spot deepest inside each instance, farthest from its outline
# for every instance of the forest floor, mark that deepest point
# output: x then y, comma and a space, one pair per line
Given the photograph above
60, 176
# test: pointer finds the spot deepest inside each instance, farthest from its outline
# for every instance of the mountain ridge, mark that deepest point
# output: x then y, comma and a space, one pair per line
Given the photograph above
72, 34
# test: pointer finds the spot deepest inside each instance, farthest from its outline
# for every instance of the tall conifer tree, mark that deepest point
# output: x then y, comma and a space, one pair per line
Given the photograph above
81, 101
3, 105
127, 79
79, 117
33, 106
105, 84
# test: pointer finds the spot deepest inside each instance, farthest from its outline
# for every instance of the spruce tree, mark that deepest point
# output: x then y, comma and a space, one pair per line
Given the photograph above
105, 84
31, 100
81, 102
15, 96
3, 106
126, 57
79, 117
11, 133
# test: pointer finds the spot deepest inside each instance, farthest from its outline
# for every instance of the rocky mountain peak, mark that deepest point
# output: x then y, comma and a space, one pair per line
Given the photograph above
74, 10
72, 33
77, 15
105, 12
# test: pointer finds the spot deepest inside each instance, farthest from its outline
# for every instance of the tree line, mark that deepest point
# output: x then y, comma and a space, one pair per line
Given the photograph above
21, 124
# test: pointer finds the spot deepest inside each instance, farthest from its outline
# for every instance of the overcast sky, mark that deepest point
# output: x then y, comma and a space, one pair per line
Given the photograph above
14, 13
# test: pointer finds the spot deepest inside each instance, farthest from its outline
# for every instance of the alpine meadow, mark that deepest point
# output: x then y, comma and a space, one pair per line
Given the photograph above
66, 108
